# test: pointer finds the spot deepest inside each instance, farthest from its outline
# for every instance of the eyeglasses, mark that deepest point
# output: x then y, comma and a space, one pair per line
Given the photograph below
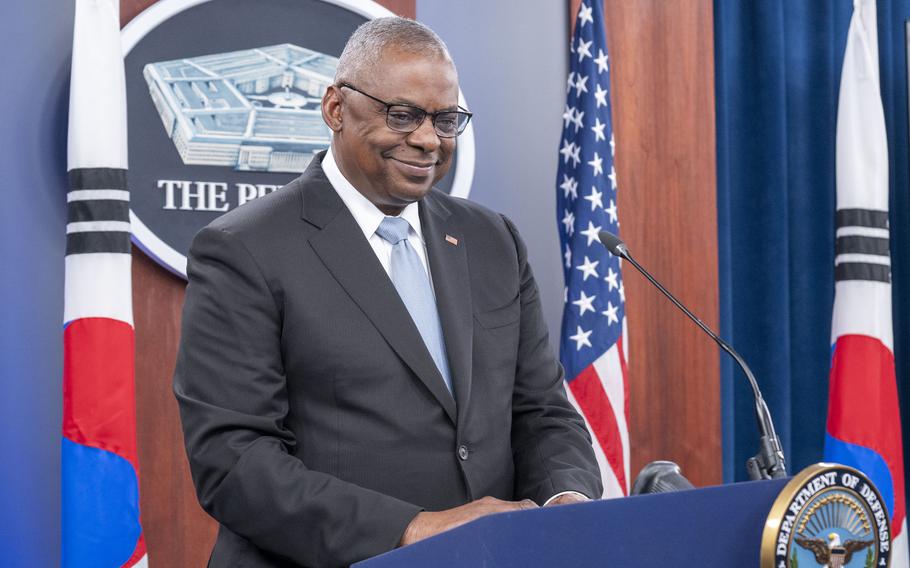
402, 117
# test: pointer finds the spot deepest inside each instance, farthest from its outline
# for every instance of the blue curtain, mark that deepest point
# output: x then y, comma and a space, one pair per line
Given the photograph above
777, 77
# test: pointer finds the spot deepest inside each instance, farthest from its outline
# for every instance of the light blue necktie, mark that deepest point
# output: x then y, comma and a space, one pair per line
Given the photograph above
413, 285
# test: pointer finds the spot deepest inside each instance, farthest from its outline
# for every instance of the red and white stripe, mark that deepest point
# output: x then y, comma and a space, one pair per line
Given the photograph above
601, 395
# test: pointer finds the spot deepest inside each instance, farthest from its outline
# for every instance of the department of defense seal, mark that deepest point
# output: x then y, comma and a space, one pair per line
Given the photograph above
828, 515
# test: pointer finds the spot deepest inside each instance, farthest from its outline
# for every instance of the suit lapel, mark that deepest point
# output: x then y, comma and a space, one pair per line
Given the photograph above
348, 256
447, 256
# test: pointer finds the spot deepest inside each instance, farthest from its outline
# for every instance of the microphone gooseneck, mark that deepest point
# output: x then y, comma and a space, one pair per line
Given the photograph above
768, 463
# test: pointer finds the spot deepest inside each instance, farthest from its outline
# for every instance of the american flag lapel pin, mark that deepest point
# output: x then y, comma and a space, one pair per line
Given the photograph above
451, 240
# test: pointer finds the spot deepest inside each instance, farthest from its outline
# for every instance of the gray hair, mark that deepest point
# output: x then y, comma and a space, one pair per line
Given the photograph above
367, 43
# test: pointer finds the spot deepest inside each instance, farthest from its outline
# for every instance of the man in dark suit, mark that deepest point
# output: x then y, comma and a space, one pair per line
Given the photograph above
364, 361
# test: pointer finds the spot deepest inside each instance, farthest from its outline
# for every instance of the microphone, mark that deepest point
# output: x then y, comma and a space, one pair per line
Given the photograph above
768, 463
660, 477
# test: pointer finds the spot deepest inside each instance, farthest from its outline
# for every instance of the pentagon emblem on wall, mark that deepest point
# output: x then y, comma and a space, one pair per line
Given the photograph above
224, 106
828, 515
256, 109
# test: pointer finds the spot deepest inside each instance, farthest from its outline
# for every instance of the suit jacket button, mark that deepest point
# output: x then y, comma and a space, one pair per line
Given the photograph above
463, 452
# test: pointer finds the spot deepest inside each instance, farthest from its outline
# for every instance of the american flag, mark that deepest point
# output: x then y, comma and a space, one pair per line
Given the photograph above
593, 323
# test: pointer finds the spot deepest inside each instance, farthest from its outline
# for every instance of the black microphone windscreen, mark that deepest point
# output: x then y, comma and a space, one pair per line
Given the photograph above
613, 243
660, 477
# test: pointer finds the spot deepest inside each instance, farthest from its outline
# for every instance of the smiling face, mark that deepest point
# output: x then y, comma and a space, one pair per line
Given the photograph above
393, 169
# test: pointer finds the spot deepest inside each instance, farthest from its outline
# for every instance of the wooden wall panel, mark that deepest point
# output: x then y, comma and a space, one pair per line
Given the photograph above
177, 531
662, 73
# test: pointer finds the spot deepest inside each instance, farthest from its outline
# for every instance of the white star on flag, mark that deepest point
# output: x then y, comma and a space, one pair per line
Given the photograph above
570, 82
600, 95
585, 303
569, 186
584, 49
611, 211
581, 85
612, 175
581, 338
588, 268
578, 120
567, 116
591, 232
595, 197
598, 130
566, 150
610, 312
584, 15
569, 221
568, 256
576, 155
601, 61
610, 278
597, 164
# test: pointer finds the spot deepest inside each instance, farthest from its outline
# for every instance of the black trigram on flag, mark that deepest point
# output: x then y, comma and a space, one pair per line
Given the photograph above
98, 211
862, 246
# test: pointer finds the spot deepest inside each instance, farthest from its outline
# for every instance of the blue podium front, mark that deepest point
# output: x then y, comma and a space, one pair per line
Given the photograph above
716, 526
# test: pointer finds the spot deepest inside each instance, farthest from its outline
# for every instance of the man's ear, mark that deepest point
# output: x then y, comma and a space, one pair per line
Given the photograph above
331, 108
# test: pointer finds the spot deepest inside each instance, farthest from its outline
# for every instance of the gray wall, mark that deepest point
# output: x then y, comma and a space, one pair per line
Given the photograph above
512, 60
35, 39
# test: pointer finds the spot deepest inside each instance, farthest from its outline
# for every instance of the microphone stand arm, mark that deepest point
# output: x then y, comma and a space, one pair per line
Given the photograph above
768, 463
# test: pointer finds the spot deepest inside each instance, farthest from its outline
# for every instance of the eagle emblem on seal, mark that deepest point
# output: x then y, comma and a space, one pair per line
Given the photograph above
834, 553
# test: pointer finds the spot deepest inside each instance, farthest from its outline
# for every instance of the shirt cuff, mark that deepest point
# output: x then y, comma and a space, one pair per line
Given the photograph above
561, 493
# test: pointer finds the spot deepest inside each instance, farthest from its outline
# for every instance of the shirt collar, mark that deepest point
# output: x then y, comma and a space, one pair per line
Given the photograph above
367, 215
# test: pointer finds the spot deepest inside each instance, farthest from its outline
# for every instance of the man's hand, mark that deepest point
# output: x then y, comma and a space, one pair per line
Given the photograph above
567, 499
427, 524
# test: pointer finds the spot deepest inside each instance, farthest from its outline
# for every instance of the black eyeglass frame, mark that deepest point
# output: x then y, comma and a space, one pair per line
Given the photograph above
433, 115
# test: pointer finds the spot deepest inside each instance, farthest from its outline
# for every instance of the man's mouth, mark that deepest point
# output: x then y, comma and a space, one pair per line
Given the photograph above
414, 167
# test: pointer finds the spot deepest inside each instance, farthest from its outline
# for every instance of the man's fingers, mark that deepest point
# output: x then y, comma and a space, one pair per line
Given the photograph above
568, 499
489, 505
427, 524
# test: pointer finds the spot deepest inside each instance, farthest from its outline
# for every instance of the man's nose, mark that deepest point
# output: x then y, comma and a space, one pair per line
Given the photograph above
425, 136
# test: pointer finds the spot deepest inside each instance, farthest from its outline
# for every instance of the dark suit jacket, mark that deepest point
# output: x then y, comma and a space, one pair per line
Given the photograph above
316, 423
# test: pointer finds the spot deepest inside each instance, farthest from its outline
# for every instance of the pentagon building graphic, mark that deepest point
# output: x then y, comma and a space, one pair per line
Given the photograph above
253, 110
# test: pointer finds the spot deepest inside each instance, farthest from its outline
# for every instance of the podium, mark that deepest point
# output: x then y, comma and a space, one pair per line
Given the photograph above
715, 526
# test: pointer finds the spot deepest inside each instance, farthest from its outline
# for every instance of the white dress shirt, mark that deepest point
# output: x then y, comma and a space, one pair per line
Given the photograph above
368, 218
